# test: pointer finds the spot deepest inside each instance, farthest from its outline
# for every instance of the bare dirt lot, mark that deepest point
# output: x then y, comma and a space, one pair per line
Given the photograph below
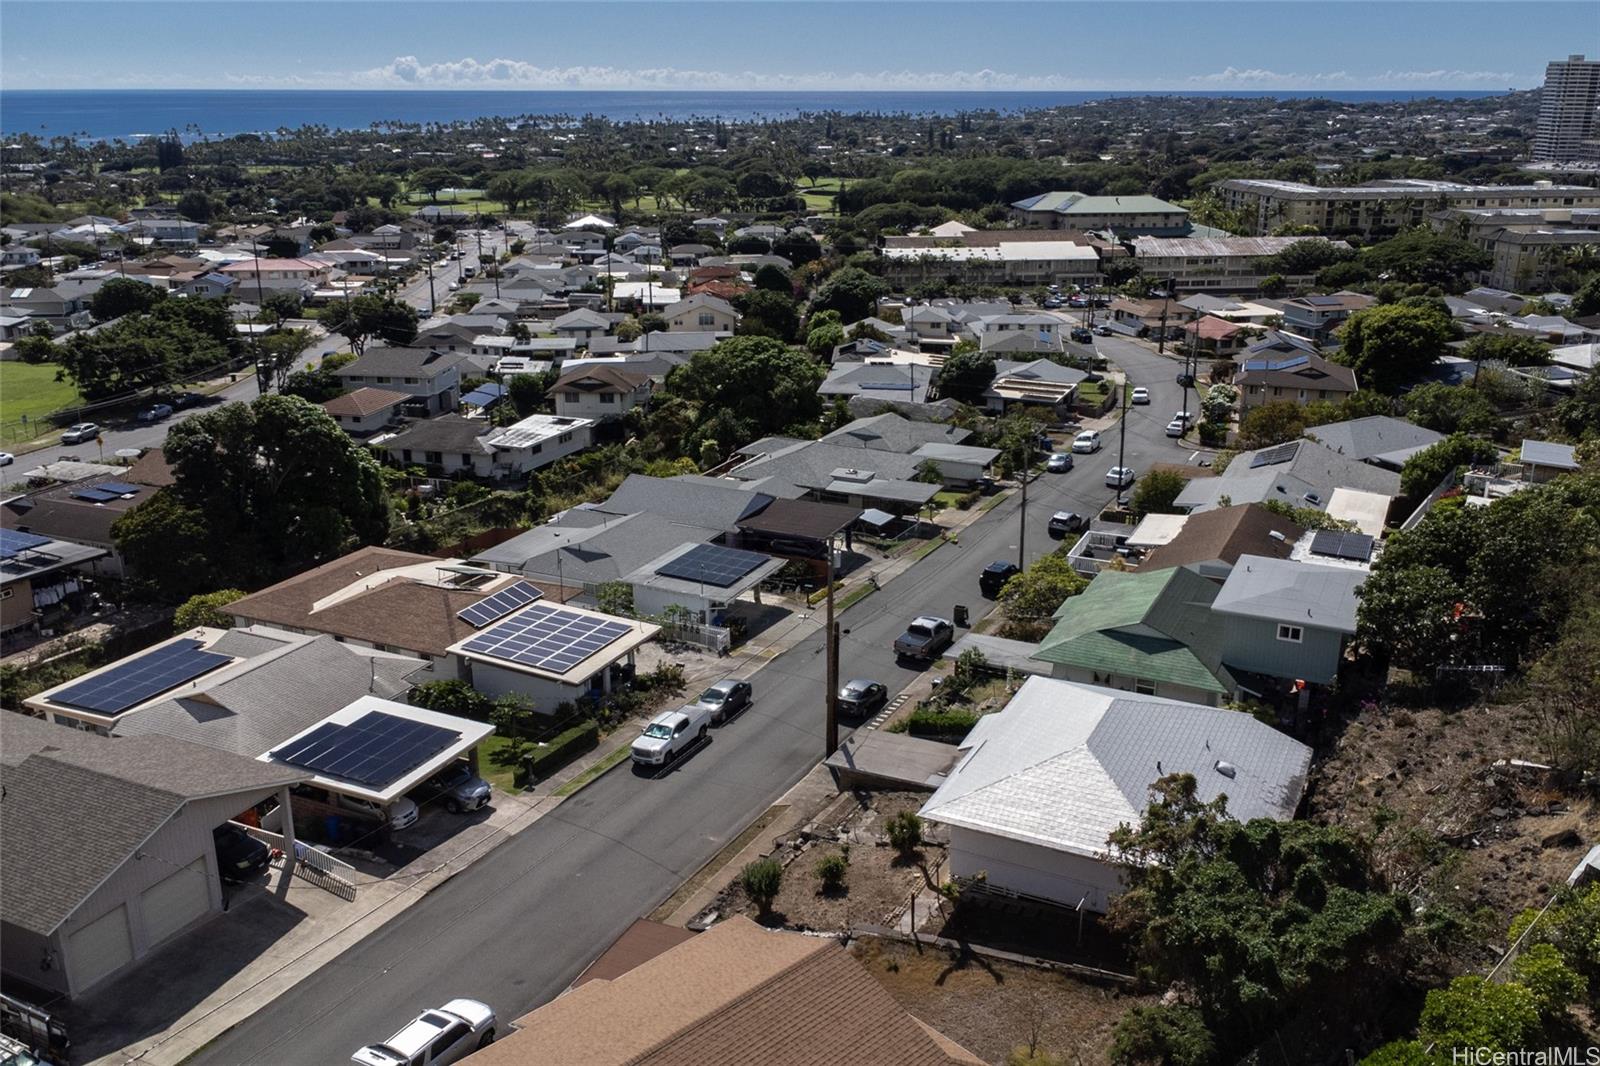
990, 1007
1486, 841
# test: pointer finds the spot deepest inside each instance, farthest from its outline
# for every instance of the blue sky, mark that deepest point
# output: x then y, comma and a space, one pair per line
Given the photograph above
754, 45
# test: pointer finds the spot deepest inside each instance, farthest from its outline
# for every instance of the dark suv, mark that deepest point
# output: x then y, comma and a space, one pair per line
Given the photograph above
240, 856
995, 576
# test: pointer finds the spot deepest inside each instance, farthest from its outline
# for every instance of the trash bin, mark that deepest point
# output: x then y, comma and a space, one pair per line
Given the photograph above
960, 615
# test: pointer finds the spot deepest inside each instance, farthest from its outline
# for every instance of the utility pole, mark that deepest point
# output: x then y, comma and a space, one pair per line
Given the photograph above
1191, 371
1166, 300
831, 635
1022, 525
1122, 441
433, 301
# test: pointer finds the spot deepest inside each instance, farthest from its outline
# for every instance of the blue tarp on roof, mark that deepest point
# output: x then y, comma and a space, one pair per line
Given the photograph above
484, 395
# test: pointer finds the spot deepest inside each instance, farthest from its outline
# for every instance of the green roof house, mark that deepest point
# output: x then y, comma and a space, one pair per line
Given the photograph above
1151, 633
1128, 215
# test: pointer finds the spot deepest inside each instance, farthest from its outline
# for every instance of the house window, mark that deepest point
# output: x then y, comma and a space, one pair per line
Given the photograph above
565, 438
1292, 634
608, 397
707, 318
411, 381
436, 458
570, 397
1143, 687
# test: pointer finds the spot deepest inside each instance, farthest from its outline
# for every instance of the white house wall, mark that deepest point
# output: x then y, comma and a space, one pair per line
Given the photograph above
545, 694
1033, 870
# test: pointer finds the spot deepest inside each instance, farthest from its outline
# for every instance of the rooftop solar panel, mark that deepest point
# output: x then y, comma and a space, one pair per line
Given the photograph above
1290, 364
1278, 453
132, 682
1356, 547
712, 564
95, 495
376, 749
547, 638
499, 605
121, 488
14, 542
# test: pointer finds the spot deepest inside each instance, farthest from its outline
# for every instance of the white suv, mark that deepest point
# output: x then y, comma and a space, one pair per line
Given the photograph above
1087, 442
437, 1037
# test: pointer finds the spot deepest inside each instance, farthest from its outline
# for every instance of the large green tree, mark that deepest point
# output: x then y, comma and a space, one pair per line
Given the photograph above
1390, 345
275, 480
370, 317
175, 339
852, 292
1450, 408
966, 374
1421, 256
123, 296
749, 387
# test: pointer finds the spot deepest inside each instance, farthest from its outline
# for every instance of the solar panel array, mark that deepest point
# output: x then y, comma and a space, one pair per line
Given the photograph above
121, 488
712, 564
1278, 453
1356, 547
497, 606
14, 542
547, 638
95, 495
132, 682
1277, 364
376, 749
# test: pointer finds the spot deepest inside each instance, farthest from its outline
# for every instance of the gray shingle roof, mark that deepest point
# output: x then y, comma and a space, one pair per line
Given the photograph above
400, 362
1298, 593
895, 433
74, 813
1313, 468
721, 506
446, 433
1393, 440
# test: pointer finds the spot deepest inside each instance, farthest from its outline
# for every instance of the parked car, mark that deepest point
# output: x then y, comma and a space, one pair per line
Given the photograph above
1103, 331
925, 638
460, 788
860, 697
454, 285
1059, 464
1087, 442
995, 576
1119, 477
1177, 427
1141, 396
1082, 336
1186, 380
77, 434
1064, 522
726, 698
1052, 303
669, 733
6, 458
240, 856
189, 399
1186, 417
156, 412
448, 1034
399, 814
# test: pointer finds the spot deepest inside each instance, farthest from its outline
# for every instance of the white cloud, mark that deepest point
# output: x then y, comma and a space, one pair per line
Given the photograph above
1256, 78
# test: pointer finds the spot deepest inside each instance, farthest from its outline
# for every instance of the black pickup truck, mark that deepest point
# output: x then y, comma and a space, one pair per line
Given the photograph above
925, 639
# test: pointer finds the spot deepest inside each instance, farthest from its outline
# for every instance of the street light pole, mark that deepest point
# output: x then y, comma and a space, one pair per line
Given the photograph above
831, 635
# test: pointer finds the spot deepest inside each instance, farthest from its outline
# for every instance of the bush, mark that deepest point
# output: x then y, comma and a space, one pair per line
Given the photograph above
1554, 984
940, 723
1213, 434
905, 831
1471, 1012
761, 881
452, 697
1173, 1036
206, 609
562, 749
831, 870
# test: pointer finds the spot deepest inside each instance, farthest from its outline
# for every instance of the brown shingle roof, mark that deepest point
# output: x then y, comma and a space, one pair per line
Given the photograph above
1315, 373
1225, 533
399, 613
643, 941
152, 469
621, 380
802, 518
363, 402
735, 994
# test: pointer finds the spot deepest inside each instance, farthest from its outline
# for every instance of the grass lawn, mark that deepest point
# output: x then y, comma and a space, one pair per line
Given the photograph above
855, 596
819, 200
946, 498
32, 390
494, 764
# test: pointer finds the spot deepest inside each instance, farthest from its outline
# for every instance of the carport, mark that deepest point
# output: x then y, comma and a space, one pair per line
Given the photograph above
798, 530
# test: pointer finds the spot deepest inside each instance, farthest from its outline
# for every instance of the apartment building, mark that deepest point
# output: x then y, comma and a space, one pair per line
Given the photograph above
1529, 245
1382, 206
1023, 263
1215, 264
1566, 129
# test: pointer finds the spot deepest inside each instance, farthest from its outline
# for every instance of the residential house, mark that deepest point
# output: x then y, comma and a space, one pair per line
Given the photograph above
701, 312
432, 378
1148, 316
1044, 782
1377, 439
174, 232
582, 325
80, 512
1216, 336
1040, 383
867, 385
734, 994
1217, 264
452, 444
1302, 378
1124, 214
826, 470
1543, 460
210, 284
1146, 632
1286, 620
364, 411
895, 433
249, 271
1318, 317
601, 393
39, 576
1301, 473
106, 849
1211, 542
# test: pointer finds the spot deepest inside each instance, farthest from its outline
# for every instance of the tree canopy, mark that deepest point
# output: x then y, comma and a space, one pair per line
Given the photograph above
175, 339
122, 296
1390, 345
370, 317
748, 387
852, 292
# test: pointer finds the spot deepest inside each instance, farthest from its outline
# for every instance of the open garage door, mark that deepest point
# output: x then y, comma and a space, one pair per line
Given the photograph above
174, 903
99, 948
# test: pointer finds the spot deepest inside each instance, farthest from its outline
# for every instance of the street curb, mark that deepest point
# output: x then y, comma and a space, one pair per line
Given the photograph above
562, 796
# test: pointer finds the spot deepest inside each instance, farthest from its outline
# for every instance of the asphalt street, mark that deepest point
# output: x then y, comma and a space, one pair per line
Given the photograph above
518, 925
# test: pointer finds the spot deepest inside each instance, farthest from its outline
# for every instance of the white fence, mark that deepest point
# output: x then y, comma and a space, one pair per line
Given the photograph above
712, 638
311, 864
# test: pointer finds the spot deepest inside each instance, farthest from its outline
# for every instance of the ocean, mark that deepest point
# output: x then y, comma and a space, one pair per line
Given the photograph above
103, 115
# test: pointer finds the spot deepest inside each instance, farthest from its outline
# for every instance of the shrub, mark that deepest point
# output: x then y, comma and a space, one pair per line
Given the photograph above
562, 749
905, 831
831, 870
761, 881
1474, 1013
1554, 984
452, 697
206, 609
940, 722
1175, 1036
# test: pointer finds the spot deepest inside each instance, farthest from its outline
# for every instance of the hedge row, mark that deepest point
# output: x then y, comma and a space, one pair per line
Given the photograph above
562, 749
937, 724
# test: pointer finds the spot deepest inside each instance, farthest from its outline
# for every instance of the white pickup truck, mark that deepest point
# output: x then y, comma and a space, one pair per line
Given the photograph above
670, 732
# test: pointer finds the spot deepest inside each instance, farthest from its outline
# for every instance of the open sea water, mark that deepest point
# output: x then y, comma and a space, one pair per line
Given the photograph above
128, 114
